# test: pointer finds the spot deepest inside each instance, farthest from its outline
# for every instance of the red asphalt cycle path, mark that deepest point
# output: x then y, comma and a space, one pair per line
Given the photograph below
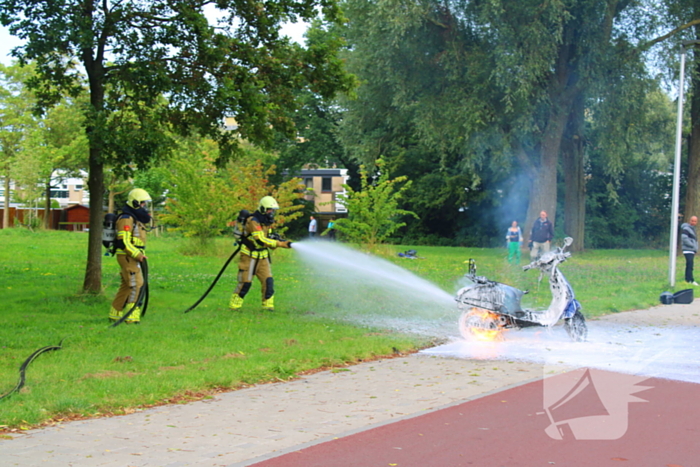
508, 429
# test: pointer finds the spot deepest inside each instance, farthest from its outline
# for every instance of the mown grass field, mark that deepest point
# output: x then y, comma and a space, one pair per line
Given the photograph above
174, 357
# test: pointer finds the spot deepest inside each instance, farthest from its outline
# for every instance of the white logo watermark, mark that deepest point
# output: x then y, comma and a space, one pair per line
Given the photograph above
589, 404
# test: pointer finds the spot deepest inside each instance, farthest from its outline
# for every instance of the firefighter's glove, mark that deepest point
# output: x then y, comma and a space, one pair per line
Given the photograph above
284, 244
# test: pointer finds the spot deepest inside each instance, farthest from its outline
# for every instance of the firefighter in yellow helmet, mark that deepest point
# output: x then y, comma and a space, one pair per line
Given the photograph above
130, 252
255, 255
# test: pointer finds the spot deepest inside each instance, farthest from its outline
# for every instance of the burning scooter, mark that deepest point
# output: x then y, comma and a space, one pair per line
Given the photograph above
489, 307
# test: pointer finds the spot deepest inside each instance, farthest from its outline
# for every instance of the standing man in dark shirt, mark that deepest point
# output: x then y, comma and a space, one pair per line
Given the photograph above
541, 236
689, 243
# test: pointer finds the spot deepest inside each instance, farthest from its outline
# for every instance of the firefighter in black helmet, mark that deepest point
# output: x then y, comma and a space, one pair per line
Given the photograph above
255, 255
130, 252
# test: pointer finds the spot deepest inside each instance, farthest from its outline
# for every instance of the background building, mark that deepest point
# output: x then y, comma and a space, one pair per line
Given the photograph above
70, 191
323, 187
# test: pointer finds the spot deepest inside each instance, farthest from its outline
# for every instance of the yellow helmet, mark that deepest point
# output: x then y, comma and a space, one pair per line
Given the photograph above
136, 197
268, 202
268, 207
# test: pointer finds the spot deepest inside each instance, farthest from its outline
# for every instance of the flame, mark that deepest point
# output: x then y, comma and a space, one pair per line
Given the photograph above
482, 334
483, 314
486, 335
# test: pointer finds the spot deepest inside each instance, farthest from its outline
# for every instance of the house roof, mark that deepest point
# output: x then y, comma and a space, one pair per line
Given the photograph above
75, 206
321, 172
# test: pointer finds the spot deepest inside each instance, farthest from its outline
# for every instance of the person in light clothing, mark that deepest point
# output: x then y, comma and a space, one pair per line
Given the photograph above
312, 227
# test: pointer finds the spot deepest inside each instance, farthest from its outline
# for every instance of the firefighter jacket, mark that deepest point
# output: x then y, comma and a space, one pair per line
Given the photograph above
131, 237
255, 242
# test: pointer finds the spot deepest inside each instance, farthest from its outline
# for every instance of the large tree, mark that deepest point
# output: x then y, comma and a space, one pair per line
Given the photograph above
566, 56
134, 52
488, 90
424, 94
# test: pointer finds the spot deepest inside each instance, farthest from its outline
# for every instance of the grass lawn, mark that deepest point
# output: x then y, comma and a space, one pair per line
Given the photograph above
176, 357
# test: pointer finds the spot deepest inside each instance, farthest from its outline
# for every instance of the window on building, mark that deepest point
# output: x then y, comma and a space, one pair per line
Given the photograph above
78, 187
59, 193
326, 184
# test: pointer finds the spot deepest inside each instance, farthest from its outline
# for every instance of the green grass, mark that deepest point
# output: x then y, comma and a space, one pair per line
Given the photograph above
173, 356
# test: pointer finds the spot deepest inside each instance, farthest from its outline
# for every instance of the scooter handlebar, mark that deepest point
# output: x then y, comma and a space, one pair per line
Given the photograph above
558, 254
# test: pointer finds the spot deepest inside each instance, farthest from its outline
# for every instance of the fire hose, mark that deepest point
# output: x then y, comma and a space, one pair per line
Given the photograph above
216, 279
23, 367
142, 299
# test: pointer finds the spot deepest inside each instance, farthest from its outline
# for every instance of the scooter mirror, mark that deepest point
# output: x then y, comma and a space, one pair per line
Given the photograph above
568, 241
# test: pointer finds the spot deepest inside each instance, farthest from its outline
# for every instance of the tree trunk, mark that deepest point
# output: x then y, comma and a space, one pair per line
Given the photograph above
692, 195
93, 271
574, 175
96, 184
543, 193
6, 207
47, 205
110, 203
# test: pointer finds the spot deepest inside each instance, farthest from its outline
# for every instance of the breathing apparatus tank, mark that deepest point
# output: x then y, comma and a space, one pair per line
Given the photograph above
109, 231
239, 226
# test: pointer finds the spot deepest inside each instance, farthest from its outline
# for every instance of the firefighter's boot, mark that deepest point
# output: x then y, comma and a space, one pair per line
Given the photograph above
236, 302
114, 314
135, 316
269, 304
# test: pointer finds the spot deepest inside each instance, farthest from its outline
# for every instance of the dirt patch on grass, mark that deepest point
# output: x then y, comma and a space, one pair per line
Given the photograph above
171, 368
234, 355
109, 374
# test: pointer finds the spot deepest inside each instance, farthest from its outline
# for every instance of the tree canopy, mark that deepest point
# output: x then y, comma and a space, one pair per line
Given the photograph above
493, 110
498, 100
161, 67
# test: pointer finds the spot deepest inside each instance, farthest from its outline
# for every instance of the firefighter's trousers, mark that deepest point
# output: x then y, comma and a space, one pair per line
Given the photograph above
132, 281
260, 268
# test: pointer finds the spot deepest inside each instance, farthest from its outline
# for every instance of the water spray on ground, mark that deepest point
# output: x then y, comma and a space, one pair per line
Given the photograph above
368, 290
662, 352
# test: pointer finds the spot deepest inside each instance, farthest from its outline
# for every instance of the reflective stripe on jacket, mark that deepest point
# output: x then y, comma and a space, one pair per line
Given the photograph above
258, 243
131, 235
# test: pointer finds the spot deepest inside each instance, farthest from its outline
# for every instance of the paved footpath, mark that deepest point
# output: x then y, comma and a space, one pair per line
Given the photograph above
355, 416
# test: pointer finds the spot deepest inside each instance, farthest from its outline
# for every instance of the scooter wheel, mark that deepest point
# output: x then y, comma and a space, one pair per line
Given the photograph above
576, 327
480, 324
